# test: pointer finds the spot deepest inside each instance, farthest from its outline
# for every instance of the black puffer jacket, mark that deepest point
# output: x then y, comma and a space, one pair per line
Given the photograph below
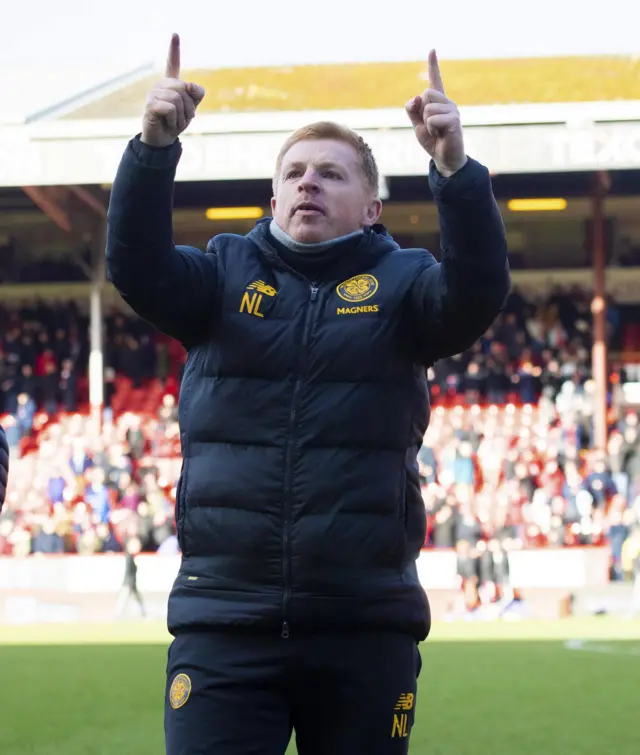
304, 403
4, 466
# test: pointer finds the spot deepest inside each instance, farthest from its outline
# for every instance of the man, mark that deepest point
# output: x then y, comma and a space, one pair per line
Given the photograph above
129, 588
302, 408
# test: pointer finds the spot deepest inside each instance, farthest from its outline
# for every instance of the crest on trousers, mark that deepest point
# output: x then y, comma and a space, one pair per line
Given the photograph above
180, 691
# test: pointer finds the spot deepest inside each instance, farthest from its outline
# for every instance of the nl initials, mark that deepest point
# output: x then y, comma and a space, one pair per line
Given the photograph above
400, 726
251, 303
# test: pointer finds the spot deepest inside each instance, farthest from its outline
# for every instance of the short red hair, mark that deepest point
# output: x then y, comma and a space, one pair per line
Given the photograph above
331, 130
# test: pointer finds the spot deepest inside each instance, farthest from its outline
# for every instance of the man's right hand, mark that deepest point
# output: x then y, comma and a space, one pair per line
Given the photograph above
171, 104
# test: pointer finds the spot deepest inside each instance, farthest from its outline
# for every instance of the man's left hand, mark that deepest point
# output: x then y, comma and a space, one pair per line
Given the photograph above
436, 122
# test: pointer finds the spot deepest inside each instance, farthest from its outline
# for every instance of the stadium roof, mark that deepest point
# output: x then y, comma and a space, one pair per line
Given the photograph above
384, 85
30, 92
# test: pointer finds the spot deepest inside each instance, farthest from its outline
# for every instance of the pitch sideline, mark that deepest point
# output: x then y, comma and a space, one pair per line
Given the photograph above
589, 646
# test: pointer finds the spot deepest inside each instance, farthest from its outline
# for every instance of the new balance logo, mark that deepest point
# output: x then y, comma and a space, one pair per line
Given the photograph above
400, 727
262, 287
405, 702
251, 301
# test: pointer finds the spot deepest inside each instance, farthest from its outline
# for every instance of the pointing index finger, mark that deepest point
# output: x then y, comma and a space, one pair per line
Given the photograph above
172, 70
435, 77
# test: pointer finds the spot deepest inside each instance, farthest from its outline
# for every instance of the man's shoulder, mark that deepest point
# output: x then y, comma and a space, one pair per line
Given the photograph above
413, 257
225, 244
396, 254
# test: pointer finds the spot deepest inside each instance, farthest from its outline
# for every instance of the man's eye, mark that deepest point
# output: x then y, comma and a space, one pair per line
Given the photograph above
293, 173
332, 174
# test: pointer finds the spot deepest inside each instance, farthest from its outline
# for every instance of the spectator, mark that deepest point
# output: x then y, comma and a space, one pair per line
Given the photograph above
25, 414
47, 540
68, 386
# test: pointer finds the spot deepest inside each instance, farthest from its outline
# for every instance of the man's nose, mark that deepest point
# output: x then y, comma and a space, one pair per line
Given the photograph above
309, 182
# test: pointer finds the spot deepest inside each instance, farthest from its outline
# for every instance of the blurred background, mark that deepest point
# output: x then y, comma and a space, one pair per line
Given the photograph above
531, 465
533, 445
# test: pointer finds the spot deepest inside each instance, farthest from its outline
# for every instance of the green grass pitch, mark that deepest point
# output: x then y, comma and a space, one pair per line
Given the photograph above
485, 688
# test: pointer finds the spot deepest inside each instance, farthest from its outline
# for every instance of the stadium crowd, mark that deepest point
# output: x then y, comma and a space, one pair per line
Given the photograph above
506, 463
44, 351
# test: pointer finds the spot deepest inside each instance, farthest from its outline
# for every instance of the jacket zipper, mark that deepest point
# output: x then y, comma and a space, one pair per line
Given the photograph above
286, 519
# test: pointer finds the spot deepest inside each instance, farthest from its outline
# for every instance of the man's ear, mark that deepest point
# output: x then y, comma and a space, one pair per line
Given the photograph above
373, 212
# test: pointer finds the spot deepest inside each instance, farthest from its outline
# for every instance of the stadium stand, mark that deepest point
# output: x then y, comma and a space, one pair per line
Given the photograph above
43, 357
509, 459
507, 462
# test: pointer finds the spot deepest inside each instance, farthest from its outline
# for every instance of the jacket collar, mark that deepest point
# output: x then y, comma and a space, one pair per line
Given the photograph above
367, 251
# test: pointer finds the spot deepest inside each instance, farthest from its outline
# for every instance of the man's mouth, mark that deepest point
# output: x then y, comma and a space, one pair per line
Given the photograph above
309, 208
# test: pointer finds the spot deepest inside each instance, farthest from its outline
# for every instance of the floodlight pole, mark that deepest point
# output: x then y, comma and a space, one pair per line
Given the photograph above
96, 347
601, 185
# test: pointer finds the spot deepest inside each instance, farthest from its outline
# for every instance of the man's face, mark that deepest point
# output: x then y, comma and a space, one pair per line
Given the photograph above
321, 192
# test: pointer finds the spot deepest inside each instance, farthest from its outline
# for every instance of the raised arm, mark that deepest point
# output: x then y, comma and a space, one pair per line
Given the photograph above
172, 287
454, 302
